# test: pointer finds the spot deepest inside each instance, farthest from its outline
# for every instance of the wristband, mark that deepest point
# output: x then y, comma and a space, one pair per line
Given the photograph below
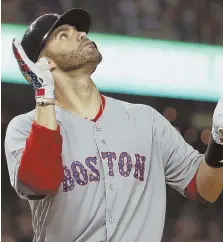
214, 154
44, 102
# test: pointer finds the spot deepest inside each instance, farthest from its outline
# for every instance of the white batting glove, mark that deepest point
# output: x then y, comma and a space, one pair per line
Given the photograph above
37, 74
217, 127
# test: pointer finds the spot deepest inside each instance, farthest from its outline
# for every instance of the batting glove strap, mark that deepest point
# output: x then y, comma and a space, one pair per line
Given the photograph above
214, 154
217, 135
45, 92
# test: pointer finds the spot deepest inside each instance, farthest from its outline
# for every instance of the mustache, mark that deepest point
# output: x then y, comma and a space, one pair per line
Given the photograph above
88, 42
81, 46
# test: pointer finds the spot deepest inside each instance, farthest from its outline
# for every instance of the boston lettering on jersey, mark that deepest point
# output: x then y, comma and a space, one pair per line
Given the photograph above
79, 172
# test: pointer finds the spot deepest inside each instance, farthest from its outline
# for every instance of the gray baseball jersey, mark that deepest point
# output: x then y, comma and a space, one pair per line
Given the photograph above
115, 174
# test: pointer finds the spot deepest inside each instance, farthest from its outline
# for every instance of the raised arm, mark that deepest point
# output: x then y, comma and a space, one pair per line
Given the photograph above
192, 174
210, 174
35, 160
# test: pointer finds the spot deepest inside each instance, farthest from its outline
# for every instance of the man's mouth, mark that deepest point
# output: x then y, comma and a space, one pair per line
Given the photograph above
89, 44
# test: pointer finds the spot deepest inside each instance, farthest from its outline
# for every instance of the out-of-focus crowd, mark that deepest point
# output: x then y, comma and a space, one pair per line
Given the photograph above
190, 20
16, 221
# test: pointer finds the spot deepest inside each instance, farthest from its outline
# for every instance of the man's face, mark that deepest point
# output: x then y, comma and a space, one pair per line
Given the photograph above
71, 50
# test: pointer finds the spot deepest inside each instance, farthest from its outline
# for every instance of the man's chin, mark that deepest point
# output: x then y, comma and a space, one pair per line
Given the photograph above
89, 61
95, 57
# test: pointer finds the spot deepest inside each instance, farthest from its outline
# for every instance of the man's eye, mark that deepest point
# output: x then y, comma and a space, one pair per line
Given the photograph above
63, 36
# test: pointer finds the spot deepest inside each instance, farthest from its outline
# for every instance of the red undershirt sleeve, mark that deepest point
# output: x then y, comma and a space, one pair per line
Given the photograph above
41, 163
192, 193
191, 190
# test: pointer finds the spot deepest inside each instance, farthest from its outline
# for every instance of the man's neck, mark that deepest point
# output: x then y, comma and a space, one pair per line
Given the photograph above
78, 95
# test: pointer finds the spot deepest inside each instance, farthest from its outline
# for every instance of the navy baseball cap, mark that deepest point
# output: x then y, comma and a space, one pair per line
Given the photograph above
39, 31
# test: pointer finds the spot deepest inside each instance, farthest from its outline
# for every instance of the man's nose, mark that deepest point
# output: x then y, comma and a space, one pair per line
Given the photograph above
82, 36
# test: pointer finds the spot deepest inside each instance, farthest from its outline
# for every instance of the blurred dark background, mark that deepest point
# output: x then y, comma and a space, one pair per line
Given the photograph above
189, 20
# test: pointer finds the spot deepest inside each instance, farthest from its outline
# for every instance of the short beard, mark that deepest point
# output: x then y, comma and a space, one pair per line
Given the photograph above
72, 60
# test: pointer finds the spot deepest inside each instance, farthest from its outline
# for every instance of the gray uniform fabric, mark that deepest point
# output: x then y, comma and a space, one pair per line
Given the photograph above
115, 174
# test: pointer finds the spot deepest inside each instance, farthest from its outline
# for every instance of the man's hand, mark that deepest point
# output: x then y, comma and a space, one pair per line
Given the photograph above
37, 74
217, 127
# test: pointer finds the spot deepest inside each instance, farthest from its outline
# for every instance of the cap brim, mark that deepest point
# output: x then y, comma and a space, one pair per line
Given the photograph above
75, 17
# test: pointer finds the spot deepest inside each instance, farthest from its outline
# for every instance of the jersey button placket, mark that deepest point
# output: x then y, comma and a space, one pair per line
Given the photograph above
110, 194
102, 146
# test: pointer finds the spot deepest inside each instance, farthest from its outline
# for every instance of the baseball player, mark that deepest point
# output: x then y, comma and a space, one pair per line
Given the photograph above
94, 168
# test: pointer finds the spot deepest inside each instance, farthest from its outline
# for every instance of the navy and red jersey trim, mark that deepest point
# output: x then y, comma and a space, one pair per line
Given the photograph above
100, 110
